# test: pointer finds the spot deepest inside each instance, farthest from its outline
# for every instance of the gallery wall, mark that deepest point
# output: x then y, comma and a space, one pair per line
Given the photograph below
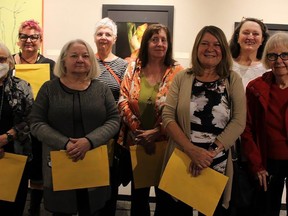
69, 19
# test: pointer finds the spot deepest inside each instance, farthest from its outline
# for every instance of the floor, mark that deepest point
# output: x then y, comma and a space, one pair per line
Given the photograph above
123, 209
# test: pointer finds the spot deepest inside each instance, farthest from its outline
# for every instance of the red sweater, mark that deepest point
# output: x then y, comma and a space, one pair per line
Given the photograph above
254, 137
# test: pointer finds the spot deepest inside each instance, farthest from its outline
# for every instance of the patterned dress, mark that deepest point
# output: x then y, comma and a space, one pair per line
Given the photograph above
209, 115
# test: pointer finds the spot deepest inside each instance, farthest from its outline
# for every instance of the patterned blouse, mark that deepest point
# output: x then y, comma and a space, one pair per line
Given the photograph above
209, 115
19, 96
129, 97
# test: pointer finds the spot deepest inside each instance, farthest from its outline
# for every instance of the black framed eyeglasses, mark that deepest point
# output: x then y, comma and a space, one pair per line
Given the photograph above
274, 56
24, 37
3, 59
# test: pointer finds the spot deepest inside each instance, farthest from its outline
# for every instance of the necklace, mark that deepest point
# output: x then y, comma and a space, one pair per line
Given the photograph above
28, 62
2, 101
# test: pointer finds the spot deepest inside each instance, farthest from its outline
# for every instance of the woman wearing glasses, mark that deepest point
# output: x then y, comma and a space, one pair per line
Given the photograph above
265, 139
15, 105
30, 37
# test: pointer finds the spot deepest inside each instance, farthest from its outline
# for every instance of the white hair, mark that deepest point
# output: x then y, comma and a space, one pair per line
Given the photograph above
106, 22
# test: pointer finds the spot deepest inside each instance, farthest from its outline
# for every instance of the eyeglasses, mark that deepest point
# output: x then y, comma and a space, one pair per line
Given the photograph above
33, 38
274, 56
156, 40
3, 59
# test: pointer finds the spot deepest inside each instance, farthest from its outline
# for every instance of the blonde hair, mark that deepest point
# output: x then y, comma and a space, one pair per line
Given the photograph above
60, 69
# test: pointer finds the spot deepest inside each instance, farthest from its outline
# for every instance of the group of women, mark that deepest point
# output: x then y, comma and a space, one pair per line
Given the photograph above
200, 110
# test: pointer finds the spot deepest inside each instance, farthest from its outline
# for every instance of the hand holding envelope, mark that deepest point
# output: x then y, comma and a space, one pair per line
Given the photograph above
202, 192
12, 167
92, 171
147, 167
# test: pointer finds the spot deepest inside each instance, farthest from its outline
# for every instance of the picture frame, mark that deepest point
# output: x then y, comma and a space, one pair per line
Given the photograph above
138, 15
272, 28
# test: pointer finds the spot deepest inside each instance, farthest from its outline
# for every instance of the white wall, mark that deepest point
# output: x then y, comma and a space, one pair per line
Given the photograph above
69, 19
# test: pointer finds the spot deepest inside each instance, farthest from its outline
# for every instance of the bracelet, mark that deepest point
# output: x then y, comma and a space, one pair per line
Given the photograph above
10, 137
213, 147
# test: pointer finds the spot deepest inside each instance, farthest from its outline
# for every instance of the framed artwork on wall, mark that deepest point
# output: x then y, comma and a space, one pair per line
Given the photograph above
132, 20
272, 28
12, 14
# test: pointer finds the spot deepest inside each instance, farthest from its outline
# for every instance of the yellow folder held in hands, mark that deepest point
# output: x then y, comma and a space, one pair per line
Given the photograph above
12, 167
202, 192
147, 168
35, 74
92, 171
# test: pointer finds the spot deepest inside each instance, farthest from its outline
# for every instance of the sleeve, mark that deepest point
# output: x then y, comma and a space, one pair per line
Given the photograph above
169, 111
40, 127
109, 129
21, 122
250, 148
124, 105
237, 122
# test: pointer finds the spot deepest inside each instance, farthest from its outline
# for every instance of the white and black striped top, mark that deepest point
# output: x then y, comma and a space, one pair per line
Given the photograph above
119, 66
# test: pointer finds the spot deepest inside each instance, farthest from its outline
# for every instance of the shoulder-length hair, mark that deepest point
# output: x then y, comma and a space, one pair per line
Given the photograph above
279, 39
149, 32
60, 69
234, 45
225, 65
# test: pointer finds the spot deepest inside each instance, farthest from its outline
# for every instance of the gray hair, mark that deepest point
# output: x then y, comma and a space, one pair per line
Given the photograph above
279, 39
60, 69
106, 22
9, 56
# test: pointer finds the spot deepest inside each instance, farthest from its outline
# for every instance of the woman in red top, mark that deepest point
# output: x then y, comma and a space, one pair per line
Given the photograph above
265, 139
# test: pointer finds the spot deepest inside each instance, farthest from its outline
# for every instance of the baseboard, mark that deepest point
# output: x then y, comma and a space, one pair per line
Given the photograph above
123, 197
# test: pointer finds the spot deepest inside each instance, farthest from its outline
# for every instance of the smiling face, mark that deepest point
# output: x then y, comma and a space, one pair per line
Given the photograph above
104, 39
209, 51
279, 66
77, 60
250, 36
28, 44
158, 45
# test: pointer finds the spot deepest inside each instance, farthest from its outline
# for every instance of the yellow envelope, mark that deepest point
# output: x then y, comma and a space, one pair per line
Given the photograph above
202, 192
35, 74
147, 168
12, 167
92, 171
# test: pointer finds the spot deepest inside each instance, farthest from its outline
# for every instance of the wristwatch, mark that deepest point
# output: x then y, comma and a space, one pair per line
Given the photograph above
213, 147
9, 137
